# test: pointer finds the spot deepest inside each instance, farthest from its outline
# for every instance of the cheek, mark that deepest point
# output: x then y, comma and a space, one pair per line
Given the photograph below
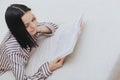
32, 29
35, 23
28, 29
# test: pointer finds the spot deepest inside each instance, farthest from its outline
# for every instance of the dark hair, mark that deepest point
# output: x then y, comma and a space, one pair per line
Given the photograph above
16, 26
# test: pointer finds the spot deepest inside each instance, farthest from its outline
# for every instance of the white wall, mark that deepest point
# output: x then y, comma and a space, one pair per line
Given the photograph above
96, 54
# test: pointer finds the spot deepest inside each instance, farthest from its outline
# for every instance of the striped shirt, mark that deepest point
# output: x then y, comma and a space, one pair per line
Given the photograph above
13, 57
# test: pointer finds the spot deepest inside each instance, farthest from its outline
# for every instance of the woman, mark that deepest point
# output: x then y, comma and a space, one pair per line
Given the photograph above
22, 36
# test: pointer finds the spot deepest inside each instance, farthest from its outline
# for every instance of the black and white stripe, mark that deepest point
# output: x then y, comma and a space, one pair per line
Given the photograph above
13, 57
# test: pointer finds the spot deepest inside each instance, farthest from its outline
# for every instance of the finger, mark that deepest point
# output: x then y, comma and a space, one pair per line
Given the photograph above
57, 60
62, 60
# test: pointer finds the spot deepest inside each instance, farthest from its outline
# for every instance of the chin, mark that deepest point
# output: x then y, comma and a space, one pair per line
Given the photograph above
32, 34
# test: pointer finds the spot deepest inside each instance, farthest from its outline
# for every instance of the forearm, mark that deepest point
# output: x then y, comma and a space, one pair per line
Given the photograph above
44, 29
17, 66
47, 27
42, 73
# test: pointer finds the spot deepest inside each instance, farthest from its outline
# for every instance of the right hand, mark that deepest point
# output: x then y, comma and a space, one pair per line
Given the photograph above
57, 63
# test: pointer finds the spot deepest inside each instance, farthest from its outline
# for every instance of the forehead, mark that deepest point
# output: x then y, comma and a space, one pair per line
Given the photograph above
27, 17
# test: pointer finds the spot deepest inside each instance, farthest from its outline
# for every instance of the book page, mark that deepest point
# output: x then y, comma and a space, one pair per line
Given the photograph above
67, 36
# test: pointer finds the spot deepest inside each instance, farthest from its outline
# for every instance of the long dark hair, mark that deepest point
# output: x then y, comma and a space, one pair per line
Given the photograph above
16, 26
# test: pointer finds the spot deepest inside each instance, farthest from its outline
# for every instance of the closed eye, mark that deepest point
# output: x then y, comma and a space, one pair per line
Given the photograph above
33, 19
26, 25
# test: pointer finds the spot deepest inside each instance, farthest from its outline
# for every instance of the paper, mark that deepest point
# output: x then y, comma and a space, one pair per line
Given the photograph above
62, 43
66, 38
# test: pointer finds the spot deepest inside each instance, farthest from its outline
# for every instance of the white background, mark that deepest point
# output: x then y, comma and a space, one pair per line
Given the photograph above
96, 55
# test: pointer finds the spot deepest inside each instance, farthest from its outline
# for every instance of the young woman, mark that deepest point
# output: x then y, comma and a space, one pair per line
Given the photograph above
22, 36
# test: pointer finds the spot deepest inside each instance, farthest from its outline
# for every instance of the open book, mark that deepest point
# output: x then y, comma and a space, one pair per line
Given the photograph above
66, 38
61, 44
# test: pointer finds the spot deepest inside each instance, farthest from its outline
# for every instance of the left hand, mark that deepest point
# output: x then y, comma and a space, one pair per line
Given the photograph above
57, 63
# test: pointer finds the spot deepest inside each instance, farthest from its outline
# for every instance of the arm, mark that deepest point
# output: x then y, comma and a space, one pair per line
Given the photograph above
44, 29
47, 28
17, 64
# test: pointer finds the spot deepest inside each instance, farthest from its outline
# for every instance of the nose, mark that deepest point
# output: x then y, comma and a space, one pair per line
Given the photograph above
33, 26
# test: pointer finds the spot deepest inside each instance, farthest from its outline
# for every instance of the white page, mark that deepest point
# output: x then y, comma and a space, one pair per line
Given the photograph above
60, 44
66, 38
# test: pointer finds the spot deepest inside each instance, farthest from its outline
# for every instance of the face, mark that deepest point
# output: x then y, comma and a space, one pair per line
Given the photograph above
30, 22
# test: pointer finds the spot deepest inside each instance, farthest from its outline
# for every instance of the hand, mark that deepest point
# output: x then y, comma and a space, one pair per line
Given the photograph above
57, 63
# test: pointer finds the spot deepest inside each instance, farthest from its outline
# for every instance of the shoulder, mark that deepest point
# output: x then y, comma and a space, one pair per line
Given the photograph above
9, 44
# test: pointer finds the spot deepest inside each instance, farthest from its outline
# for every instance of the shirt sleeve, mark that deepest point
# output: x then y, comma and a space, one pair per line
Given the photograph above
53, 27
17, 66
